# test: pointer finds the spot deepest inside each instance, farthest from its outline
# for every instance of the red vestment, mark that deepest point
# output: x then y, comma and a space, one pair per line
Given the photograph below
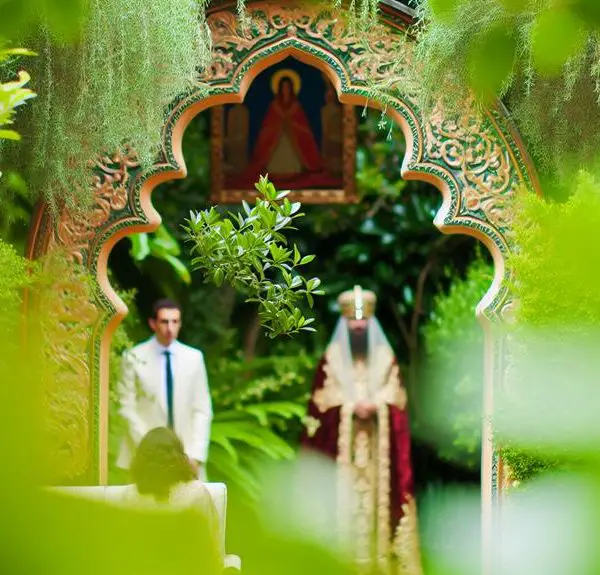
337, 427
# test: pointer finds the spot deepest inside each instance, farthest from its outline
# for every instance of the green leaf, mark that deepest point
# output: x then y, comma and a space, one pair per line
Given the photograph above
491, 60
9, 135
306, 260
223, 441
140, 246
313, 284
180, 268
557, 35
219, 274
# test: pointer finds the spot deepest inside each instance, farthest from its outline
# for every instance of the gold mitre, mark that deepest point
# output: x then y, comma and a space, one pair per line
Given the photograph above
357, 303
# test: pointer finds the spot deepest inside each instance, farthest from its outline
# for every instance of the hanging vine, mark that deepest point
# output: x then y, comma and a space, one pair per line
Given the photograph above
109, 89
541, 57
359, 12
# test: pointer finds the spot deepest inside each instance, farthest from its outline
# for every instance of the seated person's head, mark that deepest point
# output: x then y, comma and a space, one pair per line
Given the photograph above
160, 463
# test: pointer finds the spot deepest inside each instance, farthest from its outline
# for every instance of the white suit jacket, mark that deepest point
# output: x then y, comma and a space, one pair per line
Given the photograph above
143, 397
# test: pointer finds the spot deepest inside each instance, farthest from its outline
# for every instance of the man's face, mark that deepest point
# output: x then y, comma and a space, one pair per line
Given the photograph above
166, 325
357, 325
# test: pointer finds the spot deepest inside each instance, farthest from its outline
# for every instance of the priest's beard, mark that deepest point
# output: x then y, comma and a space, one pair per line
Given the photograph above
358, 344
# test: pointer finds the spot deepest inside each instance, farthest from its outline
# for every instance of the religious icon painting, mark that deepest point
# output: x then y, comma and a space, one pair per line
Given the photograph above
292, 127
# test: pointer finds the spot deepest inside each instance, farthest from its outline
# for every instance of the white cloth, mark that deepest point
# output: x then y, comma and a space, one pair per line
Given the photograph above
143, 397
380, 357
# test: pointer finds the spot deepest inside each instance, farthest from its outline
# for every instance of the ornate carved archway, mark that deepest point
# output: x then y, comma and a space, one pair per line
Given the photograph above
477, 161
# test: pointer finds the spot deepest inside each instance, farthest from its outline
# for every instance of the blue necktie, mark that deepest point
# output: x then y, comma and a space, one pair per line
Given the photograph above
169, 389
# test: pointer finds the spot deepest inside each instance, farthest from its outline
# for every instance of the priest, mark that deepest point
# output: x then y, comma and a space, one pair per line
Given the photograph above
357, 416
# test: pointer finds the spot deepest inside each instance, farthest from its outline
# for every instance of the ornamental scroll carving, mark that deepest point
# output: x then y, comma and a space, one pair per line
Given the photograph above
367, 54
479, 161
109, 184
70, 312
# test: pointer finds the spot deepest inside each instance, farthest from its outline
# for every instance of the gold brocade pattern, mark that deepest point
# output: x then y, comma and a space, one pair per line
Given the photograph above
363, 491
393, 392
383, 488
406, 542
364, 481
330, 395
344, 468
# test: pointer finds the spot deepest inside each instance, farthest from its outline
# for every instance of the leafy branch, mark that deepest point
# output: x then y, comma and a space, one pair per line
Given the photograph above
13, 94
249, 252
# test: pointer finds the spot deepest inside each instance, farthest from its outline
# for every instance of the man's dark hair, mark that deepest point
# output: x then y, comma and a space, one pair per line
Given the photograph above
160, 463
164, 304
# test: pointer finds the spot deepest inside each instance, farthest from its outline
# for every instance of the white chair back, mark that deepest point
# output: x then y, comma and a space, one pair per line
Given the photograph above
114, 494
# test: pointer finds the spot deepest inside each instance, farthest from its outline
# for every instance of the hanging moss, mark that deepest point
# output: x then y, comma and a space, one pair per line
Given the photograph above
109, 89
112, 87
363, 12
474, 42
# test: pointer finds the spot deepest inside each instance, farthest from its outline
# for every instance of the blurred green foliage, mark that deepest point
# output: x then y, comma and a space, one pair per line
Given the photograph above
17, 275
541, 57
547, 412
13, 94
16, 210
61, 18
556, 258
453, 380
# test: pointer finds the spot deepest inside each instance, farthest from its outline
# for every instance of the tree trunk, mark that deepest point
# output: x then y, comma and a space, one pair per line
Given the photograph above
251, 338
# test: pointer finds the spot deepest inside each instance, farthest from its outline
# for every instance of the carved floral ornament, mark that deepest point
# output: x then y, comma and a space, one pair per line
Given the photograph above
366, 52
109, 185
475, 157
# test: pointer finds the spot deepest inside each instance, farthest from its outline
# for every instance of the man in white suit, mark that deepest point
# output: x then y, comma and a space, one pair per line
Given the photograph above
164, 383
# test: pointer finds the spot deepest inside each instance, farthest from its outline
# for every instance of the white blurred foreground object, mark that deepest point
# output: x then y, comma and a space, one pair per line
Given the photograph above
549, 528
120, 495
300, 499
